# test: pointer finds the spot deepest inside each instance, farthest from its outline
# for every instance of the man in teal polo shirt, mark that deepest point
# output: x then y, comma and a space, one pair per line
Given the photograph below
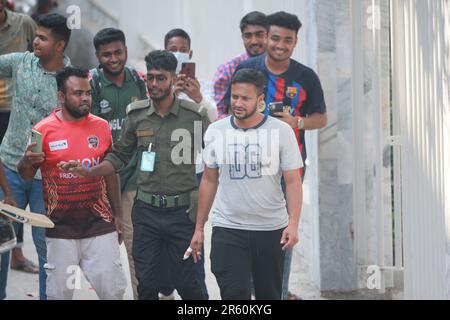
114, 87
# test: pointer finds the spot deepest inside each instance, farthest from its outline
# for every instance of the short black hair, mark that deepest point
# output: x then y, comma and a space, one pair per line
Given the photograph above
284, 20
161, 59
67, 72
177, 33
250, 76
57, 24
108, 35
254, 18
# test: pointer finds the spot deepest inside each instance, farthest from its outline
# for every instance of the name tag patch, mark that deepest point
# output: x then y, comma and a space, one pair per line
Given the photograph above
58, 145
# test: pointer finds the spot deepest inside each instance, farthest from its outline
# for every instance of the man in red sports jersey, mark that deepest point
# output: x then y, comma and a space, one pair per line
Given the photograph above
86, 211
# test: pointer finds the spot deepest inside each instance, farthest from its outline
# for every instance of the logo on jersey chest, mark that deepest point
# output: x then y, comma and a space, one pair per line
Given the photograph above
291, 92
93, 142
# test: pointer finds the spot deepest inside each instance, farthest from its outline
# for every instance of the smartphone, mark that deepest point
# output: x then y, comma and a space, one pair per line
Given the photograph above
36, 137
276, 107
188, 69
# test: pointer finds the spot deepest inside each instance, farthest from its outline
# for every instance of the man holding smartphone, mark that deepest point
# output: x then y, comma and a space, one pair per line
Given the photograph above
291, 84
187, 87
86, 211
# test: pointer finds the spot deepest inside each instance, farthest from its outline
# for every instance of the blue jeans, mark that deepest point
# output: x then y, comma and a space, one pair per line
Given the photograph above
288, 254
4, 265
29, 192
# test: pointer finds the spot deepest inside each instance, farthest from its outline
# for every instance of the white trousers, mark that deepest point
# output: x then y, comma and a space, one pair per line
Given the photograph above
97, 257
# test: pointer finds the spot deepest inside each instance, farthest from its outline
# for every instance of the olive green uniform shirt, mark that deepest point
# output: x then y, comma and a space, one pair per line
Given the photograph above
172, 138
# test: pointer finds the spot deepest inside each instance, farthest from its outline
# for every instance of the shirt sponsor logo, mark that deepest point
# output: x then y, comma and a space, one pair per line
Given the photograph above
93, 142
58, 145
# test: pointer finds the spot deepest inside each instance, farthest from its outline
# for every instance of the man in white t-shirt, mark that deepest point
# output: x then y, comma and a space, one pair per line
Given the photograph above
245, 157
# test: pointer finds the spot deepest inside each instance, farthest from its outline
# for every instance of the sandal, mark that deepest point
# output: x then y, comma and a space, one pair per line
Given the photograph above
26, 266
292, 296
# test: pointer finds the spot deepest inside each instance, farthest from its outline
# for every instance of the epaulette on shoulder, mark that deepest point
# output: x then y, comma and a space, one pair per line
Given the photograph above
137, 105
193, 107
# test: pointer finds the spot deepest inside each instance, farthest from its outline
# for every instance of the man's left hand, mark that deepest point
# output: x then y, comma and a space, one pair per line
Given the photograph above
289, 238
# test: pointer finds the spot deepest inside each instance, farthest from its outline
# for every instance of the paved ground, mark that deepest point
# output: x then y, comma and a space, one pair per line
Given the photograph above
23, 286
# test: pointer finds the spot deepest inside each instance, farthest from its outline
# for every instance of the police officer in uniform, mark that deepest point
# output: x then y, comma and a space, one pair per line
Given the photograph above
162, 131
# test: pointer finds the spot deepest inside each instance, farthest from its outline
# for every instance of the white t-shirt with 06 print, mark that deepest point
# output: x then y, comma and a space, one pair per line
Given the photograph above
251, 163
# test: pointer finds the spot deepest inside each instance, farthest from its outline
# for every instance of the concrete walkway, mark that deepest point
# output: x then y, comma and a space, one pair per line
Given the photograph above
24, 286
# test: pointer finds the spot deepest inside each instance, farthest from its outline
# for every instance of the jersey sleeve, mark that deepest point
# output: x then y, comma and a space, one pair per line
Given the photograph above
124, 149
315, 102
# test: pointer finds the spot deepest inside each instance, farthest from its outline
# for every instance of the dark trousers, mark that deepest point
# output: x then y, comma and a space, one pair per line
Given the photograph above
156, 229
166, 285
237, 256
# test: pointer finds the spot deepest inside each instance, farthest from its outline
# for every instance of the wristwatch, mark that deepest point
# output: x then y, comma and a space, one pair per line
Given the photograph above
300, 123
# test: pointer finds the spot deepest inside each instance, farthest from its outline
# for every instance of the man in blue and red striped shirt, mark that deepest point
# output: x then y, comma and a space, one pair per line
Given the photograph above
288, 81
254, 30
291, 83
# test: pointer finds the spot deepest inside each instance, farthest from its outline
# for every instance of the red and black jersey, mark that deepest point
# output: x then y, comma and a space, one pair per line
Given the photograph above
79, 207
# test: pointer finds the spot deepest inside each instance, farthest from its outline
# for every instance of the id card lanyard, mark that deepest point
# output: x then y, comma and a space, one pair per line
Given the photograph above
148, 160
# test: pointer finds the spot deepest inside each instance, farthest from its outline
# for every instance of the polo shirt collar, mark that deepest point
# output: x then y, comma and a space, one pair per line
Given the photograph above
106, 83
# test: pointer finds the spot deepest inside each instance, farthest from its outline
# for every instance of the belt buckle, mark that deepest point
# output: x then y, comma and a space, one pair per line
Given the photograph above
163, 201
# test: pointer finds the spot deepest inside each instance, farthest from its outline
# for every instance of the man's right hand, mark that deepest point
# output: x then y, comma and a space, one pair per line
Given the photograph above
32, 159
195, 248
180, 84
74, 167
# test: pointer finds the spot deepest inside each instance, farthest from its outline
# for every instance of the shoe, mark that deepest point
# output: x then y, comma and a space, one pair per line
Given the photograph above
26, 266
169, 297
292, 296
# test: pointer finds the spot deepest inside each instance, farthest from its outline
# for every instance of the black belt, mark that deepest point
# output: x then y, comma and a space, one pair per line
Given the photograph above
161, 201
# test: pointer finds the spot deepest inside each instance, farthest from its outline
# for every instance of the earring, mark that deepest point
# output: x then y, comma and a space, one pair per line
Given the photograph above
261, 106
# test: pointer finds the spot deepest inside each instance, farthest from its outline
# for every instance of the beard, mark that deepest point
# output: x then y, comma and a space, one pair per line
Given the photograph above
246, 115
76, 112
167, 92
258, 48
